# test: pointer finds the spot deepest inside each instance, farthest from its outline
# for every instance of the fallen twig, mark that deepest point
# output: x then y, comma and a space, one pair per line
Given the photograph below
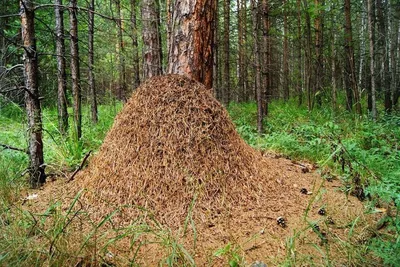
80, 167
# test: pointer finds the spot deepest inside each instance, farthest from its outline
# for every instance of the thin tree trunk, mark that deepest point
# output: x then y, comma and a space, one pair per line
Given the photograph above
136, 75
241, 50
393, 53
32, 101
216, 77
266, 58
299, 60
91, 80
333, 68
190, 50
308, 56
351, 81
372, 61
151, 45
121, 54
226, 67
61, 73
258, 89
319, 61
285, 54
75, 71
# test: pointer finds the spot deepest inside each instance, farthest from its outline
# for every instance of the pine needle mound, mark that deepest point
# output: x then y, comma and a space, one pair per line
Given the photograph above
171, 144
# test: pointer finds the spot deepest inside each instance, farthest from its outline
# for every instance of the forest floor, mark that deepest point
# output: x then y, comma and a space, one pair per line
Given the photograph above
328, 163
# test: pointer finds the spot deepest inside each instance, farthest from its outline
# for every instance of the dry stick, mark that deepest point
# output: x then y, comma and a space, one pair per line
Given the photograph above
14, 148
80, 167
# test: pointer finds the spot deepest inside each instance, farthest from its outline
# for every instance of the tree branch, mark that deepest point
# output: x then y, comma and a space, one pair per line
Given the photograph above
14, 148
80, 167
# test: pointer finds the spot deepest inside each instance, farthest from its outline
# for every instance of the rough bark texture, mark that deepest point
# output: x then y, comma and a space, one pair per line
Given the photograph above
91, 80
191, 40
75, 71
136, 76
395, 11
308, 72
352, 91
372, 61
32, 102
241, 49
151, 39
61, 74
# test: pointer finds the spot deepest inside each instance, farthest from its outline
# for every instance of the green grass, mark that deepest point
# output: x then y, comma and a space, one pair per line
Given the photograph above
356, 150
362, 153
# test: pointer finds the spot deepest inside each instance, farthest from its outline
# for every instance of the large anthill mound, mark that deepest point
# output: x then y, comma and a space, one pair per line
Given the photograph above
172, 143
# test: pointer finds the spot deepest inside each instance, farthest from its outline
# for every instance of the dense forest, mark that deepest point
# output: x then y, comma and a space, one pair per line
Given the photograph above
314, 81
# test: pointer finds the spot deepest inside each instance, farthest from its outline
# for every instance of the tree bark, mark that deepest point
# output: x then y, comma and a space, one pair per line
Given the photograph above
395, 11
258, 89
136, 76
121, 55
299, 57
226, 69
372, 61
151, 39
191, 40
91, 78
61, 73
285, 83
266, 80
75, 71
241, 49
319, 60
351, 81
32, 102
308, 56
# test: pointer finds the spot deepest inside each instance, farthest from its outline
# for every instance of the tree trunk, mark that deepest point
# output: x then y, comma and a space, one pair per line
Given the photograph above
75, 71
308, 56
32, 101
351, 81
226, 70
372, 61
285, 54
241, 49
136, 76
393, 52
91, 81
299, 57
191, 40
121, 55
258, 89
61, 74
319, 60
151, 45
266, 58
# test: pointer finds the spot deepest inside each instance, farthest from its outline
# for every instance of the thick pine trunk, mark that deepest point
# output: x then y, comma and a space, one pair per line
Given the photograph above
151, 39
75, 71
91, 80
191, 39
32, 101
136, 76
61, 73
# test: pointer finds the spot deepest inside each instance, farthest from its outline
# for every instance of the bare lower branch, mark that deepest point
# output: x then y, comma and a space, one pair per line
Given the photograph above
14, 148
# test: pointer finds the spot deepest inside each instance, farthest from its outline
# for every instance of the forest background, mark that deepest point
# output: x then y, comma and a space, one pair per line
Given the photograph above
315, 80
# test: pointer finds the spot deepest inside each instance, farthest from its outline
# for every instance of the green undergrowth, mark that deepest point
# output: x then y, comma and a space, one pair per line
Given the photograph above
363, 154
